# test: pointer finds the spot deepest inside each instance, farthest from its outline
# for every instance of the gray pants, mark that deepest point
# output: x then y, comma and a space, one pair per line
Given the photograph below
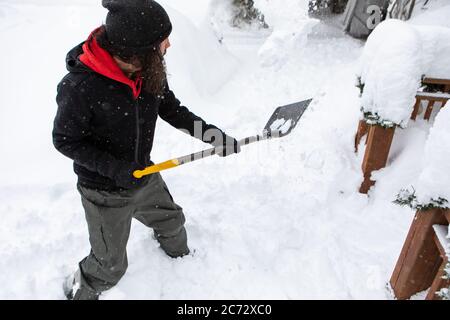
109, 215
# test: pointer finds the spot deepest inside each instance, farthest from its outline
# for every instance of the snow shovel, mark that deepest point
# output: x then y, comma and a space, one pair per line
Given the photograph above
280, 124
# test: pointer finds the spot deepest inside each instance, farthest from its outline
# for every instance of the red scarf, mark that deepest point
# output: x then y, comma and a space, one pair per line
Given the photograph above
100, 61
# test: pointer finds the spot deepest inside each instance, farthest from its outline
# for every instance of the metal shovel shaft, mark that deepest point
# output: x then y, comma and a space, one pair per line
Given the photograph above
196, 156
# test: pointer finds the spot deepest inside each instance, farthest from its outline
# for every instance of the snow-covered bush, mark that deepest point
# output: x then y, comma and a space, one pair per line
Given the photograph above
317, 5
226, 14
408, 197
336, 6
291, 25
396, 57
245, 13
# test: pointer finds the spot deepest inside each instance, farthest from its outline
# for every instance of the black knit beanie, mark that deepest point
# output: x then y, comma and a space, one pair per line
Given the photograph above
136, 25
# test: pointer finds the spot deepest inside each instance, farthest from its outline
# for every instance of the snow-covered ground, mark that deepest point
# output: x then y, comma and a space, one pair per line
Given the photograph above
281, 220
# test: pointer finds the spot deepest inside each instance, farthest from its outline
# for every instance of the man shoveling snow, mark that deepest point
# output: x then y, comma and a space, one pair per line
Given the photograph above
108, 105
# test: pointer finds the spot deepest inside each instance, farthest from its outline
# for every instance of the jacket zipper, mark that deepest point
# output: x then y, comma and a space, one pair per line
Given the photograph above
138, 133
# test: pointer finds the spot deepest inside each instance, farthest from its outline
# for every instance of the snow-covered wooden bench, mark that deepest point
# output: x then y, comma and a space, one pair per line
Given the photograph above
379, 138
432, 97
424, 256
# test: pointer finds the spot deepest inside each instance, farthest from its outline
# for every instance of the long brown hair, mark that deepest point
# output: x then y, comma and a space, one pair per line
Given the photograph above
154, 74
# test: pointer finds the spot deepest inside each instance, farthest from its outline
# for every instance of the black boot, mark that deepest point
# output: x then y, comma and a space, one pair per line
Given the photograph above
74, 291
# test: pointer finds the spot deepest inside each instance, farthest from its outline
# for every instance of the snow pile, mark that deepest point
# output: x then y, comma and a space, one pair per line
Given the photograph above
391, 70
196, 13
434, 181
436, 12
432, 188
394, 60
291, 26
435, 51
195, 53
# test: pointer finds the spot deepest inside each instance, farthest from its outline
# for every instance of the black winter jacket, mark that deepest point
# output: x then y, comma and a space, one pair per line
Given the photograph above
105, 130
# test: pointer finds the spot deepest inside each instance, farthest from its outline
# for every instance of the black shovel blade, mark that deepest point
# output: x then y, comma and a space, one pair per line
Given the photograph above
285, 118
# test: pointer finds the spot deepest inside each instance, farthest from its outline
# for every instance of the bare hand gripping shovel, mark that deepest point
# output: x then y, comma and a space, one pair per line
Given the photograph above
280, 124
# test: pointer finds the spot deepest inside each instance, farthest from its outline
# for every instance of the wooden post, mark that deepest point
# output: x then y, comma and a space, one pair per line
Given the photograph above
419, 259
429, 109
379, 143
362, 131
416, 109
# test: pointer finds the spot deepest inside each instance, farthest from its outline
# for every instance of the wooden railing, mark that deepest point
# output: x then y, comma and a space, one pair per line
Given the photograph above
379, 139
424, 256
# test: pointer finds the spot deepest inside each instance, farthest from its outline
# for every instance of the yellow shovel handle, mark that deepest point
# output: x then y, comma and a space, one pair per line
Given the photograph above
156, 168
